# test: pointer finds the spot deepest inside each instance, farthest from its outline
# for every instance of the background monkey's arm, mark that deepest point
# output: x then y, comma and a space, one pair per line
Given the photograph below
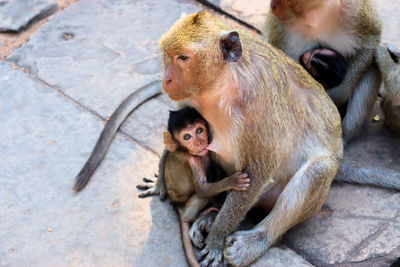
357, 66
390, 71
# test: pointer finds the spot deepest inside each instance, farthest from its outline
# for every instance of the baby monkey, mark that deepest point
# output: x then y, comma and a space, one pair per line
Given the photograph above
188, 169
326, 66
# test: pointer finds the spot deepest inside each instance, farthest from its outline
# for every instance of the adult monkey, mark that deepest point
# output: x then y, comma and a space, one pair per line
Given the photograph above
350, 27
269, 118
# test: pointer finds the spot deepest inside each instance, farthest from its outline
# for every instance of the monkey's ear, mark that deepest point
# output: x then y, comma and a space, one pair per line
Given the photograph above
231, 46
169, 142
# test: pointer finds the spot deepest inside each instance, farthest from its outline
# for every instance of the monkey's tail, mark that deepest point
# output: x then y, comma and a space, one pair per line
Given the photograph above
352, 172
132, 102
187, 243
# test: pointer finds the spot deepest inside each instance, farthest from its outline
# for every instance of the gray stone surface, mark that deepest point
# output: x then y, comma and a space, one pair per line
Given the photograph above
45, 140
281, 256
80, 65
16, 15
99, 52
252, 12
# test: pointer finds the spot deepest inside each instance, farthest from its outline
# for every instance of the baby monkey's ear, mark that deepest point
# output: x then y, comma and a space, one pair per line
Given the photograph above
169, 142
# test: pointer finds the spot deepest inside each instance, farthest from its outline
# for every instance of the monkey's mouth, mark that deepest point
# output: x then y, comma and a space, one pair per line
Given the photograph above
202, 152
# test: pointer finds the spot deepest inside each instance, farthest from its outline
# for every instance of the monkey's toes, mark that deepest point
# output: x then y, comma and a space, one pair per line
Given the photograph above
200, 228
147, 180
212, 257
143, 186
244, 247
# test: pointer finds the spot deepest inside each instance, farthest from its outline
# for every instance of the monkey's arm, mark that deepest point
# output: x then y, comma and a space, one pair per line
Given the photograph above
239, 181
390, 71
357, 65
361, 103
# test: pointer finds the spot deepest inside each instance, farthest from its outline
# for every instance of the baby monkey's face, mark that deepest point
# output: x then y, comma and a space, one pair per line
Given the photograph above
194, 138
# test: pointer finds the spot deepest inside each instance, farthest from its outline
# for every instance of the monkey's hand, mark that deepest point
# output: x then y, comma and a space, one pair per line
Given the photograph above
239, 181
212, 254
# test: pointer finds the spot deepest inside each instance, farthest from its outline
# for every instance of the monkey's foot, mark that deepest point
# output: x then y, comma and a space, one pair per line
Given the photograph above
244, 247
149, 192
200, 229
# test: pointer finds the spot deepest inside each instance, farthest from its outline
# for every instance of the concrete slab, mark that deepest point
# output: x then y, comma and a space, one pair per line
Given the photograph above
99, 52
45, 140
16, 15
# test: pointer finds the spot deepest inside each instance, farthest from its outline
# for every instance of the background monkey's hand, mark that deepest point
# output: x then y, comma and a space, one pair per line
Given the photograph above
239, 181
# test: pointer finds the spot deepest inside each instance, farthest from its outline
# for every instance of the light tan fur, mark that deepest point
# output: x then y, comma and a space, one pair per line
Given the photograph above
268, 118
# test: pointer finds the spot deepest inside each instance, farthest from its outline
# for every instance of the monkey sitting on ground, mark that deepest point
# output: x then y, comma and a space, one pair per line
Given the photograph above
189, 172
352, 28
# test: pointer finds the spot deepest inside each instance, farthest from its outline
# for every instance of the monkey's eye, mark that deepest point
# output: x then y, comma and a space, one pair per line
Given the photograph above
183, 57
187, 137
199, 130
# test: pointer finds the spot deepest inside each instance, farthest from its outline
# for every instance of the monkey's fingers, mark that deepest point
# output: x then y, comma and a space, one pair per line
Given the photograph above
244, 180
147, 180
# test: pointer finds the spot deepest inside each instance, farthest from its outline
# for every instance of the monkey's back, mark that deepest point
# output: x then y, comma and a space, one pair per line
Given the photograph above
178, 177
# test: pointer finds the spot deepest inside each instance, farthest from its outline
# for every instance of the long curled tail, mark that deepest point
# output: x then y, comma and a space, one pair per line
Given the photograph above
132, 102
352, 172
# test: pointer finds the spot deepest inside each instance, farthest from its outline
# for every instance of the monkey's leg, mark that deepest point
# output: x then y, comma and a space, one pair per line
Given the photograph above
361, 103
354, 173
300, 199
193, 207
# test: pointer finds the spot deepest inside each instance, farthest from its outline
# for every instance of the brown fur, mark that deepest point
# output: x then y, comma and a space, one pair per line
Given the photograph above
351, 27
268, 117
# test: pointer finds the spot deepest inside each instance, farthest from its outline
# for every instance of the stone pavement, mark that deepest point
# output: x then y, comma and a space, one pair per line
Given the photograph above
56, 92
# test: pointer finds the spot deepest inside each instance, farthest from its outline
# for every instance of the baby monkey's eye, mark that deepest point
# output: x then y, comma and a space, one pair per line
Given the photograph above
183, 57
187, 137
199, 130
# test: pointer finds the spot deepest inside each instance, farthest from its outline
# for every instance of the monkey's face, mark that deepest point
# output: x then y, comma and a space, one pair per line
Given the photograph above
284, 10
180, 72
194, 138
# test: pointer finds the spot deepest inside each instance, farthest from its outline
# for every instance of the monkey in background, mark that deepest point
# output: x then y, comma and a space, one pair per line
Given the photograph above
351, 28
328, 67
190, 173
